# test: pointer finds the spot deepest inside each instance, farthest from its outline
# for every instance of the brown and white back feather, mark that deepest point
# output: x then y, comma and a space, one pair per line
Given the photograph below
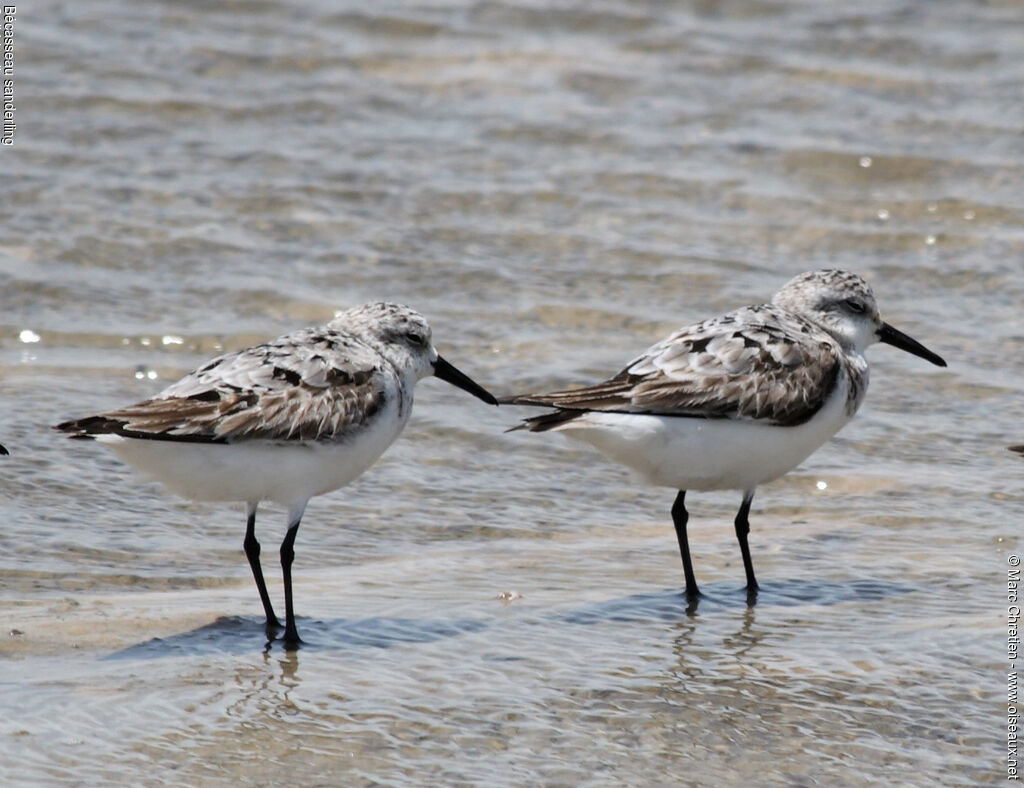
311, 385
758, 363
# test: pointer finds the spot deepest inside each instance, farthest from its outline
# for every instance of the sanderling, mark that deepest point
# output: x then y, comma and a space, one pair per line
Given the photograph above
298, 416
734, 401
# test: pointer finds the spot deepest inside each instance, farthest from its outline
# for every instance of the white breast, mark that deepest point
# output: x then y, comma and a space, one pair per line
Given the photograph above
287, 472
709, 454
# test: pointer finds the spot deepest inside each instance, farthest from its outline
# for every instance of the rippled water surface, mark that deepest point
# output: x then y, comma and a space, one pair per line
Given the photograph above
555, 187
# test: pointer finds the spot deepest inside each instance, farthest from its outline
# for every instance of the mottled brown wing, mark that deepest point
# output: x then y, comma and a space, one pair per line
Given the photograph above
311, 385
752, 364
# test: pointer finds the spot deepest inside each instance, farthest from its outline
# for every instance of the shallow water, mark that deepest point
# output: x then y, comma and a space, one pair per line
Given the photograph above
555, 189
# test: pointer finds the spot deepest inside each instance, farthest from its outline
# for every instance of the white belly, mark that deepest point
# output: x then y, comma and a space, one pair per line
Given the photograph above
288, 473
707, 454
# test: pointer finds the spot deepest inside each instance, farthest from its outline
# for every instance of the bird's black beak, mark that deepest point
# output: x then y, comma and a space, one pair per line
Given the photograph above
891, 336
450, 374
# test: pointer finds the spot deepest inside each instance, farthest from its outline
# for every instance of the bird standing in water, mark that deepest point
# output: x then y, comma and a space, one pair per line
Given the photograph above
735, 401
295, 417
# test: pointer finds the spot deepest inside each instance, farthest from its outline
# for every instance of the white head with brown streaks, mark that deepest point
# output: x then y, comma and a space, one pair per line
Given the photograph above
843, 304
402, 336
398, 332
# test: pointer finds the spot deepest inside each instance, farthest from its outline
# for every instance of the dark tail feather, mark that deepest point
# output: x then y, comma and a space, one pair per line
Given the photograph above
522, 399
3, 450
544, 422
89, 426
1018, 449
547, 421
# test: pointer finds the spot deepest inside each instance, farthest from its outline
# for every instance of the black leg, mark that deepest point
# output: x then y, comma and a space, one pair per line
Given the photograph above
291, 633
252, 552
742, 530
679, 518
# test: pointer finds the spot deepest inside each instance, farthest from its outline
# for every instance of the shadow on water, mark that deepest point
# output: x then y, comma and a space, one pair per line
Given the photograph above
673, 604
234, 635
240, 635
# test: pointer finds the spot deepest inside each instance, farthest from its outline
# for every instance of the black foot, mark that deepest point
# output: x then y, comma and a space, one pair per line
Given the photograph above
290, 643
291, 639
752, 595
272, 627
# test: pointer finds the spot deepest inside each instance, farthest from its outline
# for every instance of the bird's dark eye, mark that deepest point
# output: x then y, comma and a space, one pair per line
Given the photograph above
855, 306
416, 338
